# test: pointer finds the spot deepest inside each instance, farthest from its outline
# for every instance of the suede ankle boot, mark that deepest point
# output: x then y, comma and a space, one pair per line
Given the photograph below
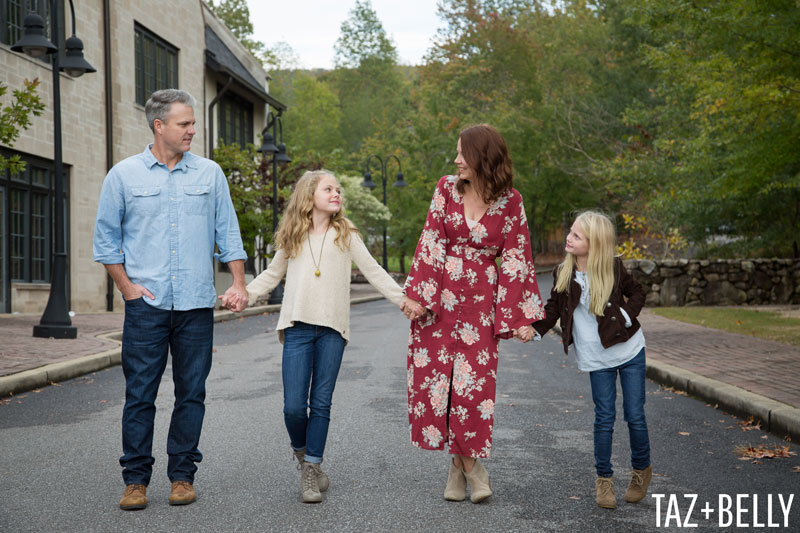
322, 480
640, 480
456, 489
605, 492
480, 487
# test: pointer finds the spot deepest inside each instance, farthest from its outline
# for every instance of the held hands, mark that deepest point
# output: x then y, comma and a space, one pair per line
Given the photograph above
411, 309
525, 333
235, 298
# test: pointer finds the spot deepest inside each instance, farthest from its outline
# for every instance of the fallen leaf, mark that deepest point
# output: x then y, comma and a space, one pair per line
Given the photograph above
747, 425
764, 436
747, 453
796, 469
578, 498
37, 391
684, 433
213, 350
738, 322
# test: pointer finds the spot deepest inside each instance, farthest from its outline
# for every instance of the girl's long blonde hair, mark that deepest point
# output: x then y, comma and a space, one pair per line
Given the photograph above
602, 237
296, 220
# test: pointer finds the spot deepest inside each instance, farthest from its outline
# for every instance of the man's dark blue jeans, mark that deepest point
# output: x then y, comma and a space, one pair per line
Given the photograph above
149, 334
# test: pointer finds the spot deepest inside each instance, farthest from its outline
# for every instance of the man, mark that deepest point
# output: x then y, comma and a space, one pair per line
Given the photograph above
160, 214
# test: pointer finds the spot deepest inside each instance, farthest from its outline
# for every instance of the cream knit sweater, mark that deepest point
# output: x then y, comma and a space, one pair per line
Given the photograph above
323, 300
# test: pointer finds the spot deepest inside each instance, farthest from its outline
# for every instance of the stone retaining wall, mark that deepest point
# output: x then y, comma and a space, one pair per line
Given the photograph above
675, 282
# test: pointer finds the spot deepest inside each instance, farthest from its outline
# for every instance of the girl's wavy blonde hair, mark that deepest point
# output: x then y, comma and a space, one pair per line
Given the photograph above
296, 220
602, 237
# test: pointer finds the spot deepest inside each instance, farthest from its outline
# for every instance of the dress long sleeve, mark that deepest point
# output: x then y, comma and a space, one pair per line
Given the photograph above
424, 280
518, 302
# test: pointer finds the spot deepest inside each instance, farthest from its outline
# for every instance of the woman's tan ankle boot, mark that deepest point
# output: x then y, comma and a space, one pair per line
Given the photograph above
456, 489
480, 487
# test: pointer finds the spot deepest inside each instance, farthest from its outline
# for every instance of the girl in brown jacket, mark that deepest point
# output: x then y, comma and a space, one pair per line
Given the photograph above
597, 301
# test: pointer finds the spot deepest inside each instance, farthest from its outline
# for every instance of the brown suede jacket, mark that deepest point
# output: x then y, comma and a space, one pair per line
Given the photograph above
627, 294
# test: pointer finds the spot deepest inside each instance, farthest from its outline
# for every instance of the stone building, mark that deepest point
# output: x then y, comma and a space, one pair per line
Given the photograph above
136, 48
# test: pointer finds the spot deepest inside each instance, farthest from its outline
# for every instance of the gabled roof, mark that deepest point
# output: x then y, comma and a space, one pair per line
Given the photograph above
220, 58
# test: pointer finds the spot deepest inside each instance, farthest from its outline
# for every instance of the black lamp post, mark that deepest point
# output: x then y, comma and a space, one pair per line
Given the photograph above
278, 153
55, 321
399, 182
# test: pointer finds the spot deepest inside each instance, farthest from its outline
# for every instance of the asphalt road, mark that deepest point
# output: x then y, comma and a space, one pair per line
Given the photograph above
59, 449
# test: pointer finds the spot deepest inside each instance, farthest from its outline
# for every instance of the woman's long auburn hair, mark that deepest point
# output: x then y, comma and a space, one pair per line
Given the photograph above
602, 237
296, 221
485, 151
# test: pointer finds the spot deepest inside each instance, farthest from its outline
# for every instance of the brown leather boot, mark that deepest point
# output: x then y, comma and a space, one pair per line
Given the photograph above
134, 497
605, 492
640, 480
182, 493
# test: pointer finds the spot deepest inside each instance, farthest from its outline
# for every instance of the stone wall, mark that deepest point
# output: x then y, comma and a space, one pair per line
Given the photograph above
718, 282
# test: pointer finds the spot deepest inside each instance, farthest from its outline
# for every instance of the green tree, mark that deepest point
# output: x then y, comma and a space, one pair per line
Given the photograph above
367, 80
313, 118
16, 116
724, 138
236, 16
363, 39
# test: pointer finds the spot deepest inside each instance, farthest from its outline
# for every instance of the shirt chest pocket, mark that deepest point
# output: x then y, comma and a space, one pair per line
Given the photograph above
146, 200
196, 199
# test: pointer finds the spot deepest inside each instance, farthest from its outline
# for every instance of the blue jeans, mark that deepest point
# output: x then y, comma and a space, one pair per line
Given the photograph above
312, 356
148, 335
604, 394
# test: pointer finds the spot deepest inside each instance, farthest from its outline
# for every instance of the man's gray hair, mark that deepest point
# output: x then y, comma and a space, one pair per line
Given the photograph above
157, 107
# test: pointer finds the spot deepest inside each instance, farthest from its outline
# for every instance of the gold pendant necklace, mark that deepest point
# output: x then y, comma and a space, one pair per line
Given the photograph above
317, 264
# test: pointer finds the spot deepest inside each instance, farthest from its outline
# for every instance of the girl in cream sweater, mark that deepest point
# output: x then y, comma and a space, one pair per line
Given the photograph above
316, 246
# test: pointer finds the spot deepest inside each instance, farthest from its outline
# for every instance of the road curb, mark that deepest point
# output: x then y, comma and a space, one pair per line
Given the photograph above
776, 417
63, 370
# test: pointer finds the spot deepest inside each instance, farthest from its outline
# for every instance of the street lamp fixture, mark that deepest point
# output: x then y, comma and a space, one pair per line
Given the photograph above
399, 182
55, 321
278, 153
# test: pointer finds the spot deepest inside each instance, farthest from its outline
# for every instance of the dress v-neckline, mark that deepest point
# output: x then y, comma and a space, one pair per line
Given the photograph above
464, 209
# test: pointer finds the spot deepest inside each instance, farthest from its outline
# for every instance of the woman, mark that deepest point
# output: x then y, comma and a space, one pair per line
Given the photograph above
475, 217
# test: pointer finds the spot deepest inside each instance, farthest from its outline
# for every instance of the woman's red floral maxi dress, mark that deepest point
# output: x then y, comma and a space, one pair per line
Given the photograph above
452, 352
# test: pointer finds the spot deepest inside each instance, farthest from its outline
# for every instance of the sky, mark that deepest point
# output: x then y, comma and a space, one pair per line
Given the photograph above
311, 27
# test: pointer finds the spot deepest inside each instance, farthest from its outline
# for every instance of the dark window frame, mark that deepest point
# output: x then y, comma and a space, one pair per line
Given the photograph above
156, 63
31, 184
235, 119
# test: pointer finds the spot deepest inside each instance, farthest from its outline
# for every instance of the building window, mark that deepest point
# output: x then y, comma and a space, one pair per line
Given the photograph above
156, 64
235, 121
28, 201
13, 13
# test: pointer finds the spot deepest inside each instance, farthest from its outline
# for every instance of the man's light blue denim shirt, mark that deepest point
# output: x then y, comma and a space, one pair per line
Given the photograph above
162, 225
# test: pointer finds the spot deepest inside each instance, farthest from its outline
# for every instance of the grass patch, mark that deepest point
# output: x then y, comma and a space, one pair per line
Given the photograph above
770, 325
